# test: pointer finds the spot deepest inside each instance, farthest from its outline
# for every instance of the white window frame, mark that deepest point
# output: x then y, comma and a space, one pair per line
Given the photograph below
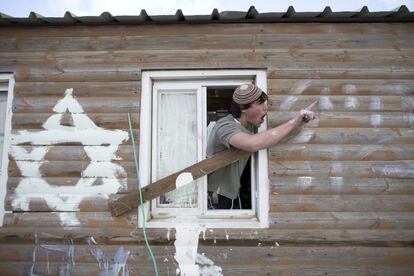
210, 218
6, 143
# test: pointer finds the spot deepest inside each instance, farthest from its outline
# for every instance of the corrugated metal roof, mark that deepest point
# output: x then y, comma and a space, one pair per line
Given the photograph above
401, 14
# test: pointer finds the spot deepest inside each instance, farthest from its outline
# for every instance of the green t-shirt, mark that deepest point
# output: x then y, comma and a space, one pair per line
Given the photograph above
226, 181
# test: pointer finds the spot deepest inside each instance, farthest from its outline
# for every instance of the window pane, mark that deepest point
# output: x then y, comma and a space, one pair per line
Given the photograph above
177, 143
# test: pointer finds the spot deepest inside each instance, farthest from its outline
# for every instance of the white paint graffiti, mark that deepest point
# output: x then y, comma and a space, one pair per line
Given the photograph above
409, 119
287, 103
304, 181
325, 103
375, 120
376, 103
349, 88
300, 87
66, 252
100, 178
190, 262
351, 103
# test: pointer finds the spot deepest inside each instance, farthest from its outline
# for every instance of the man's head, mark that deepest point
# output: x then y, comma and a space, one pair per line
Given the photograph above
249, 104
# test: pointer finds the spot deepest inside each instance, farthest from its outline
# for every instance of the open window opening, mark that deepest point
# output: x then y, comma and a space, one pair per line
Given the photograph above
218, 103
178, 108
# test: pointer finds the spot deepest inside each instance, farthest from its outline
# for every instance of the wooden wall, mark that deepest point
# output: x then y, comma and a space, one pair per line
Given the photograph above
342, 190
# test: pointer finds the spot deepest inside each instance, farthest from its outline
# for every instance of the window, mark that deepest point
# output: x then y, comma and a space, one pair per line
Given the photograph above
177, 110
6, 92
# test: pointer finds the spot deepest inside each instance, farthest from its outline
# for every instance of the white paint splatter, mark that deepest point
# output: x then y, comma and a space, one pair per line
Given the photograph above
183, 179
325, 103
391, 89
97, 169
409, 119
21, 153
62, 198
375, 120
168, 233
207, 267
300, 87
304, 181
304, 136
30, 168
189, 261
111, 266
376, 103
186, 244
85, 137
287, 103
69, 219
407, 103
351, 103
394, 170
349, 89
102, 153
326, 91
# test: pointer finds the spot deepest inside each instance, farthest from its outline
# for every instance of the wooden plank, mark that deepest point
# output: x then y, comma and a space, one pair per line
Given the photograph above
23, 268
50, 73
105, 120
332, 237
360, 136
124, 203
220, 254
339, 185
324, 119
55, 143
396, 29
341, 203
76, 153
131, 72
80, 89
282, 72
95, 203
332, 119
341, 220
13, 182
342, 103
283, 56
211, 41
340, 86
57, 220
89, 104
277, 220
71, 169
295, 152
390, 169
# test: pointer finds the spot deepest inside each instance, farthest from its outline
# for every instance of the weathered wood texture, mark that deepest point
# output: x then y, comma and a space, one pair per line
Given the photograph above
340, 189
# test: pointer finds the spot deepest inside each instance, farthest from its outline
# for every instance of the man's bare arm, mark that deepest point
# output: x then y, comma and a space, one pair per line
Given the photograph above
270, 137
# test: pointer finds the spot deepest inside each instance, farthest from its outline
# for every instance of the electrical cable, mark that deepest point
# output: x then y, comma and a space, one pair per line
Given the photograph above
141, 205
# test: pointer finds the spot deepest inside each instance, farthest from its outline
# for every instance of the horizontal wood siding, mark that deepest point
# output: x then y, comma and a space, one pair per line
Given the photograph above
341, 189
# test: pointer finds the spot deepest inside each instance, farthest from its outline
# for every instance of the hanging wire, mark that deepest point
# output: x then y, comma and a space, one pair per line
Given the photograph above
141, 205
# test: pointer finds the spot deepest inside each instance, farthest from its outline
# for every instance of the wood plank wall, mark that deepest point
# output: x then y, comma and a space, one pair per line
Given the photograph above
342, 190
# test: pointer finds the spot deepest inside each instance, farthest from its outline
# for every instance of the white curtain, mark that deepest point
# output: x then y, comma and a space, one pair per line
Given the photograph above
177, 143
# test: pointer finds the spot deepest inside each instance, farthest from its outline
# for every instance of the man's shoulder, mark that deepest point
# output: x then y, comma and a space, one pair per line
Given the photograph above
225, 120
